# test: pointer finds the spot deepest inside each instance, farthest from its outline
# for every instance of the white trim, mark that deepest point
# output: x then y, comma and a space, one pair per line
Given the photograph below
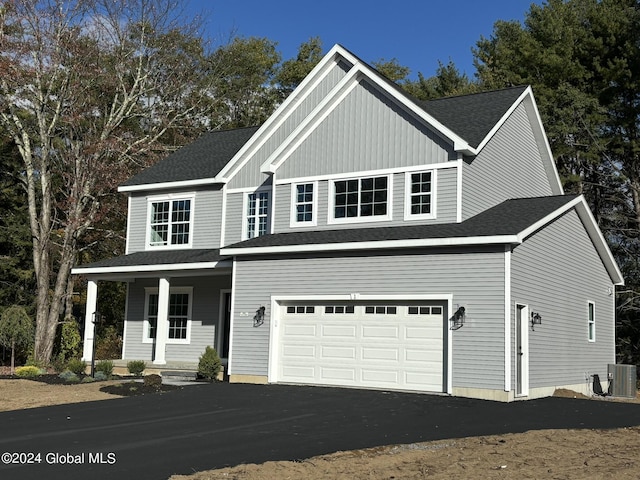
173, 185
591, 339
220, 325
503, 119
145, 324
367, 173
375, 245
223, 220
89, 326
408, 216
245, 215
331, 220
259, 188
522, 376
170, 197
293, 212
126, 240
272, 206
168, 267
126, 321
459, 189
274, 323
507, 318
232, 315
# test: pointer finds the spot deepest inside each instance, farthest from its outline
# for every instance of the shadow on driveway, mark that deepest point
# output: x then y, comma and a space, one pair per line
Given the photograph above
215, 425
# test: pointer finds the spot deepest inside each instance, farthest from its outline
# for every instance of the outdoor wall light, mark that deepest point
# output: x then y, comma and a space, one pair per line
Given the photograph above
258, 318
536, 319
458, 318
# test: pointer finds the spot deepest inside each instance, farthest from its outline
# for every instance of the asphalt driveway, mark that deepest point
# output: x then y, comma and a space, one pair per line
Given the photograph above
209, 426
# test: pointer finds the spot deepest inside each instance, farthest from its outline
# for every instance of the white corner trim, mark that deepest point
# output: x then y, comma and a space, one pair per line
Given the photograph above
507, 318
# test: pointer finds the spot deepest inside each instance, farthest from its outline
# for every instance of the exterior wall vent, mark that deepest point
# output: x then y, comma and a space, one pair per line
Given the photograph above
624, 380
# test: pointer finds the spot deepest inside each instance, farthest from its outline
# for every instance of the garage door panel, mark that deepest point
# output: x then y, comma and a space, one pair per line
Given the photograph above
333, 352
392, 349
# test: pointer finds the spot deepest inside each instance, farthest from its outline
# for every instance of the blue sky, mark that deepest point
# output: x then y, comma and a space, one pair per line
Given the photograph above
417, 33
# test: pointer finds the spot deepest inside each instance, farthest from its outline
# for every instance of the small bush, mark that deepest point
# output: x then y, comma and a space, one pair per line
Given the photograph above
210, 364
100, 376
109, 344
106, 367
153, 380
29, 371
76, 366
136, 367
69, 376
88, 380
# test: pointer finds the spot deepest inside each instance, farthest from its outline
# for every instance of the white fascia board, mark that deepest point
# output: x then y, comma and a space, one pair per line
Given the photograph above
374, 245
549, 218
170, 185
588, 220
167, 267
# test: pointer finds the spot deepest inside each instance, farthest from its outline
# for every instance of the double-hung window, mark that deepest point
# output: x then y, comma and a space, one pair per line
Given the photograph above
257, 214
303, 203
170, 222
591, 321
420, 195
361, 199
179, 315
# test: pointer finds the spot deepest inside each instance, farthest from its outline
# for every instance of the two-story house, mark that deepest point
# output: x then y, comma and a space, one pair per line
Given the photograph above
362, 238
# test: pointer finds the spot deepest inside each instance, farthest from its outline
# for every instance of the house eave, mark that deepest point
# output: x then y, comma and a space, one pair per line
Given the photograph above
141, 269
171, 185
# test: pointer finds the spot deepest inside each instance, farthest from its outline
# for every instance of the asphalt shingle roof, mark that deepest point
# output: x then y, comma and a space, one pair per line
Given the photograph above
508, 218
203, 158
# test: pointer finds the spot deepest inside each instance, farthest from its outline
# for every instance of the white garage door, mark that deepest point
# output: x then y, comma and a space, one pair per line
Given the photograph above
390, 346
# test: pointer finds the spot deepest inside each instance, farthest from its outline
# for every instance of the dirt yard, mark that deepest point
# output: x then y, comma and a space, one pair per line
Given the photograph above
552, 454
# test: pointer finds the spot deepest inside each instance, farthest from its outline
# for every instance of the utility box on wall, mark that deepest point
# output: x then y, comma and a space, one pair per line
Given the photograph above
624, 380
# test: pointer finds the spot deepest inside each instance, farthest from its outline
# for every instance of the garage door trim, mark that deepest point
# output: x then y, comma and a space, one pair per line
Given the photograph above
277, 309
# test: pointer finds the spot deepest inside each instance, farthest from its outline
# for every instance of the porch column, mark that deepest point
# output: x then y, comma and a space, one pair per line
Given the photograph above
89, 326
162, 327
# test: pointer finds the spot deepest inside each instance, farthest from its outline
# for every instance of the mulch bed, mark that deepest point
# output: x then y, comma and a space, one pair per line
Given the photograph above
126, 388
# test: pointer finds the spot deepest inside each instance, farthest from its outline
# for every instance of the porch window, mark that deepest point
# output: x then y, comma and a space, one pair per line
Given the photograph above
170, 222
179, 315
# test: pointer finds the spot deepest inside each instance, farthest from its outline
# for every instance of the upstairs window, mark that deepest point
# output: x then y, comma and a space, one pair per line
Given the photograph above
170, 222
420, 195
257, 214
362, 199
303, 203
591, 321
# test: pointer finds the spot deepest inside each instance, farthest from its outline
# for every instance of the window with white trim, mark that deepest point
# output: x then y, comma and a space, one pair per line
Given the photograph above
304, 204
591, 321
420, 194
361, 199
257, 214
179, 314
170, 222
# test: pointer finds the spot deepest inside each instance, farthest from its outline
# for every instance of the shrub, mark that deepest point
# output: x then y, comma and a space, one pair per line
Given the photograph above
76, 366
28, 371
210, 364
109, 344
99, 376
106, 367
153, 380
136, 367
88, 380
70, 340
69, 376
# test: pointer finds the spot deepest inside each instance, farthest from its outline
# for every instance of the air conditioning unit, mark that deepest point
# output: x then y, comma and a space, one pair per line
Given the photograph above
624, 380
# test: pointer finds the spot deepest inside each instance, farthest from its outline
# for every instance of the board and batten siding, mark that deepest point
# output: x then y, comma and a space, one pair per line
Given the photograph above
509, 166
249, 174
207, 219
474, 278
446, 198
556, 272
205, 312
366, 131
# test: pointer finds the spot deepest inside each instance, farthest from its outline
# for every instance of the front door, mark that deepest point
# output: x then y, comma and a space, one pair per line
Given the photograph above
522, 350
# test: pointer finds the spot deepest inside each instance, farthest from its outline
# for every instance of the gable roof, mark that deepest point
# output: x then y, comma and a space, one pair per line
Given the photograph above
194, 164
509, 222
473, 116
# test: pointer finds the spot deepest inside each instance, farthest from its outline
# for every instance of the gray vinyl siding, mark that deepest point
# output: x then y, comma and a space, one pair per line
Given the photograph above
207, 217
234, 217
366, 131
446, 190
556, 272
204, 318
475, 279
249, 175
509, 166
